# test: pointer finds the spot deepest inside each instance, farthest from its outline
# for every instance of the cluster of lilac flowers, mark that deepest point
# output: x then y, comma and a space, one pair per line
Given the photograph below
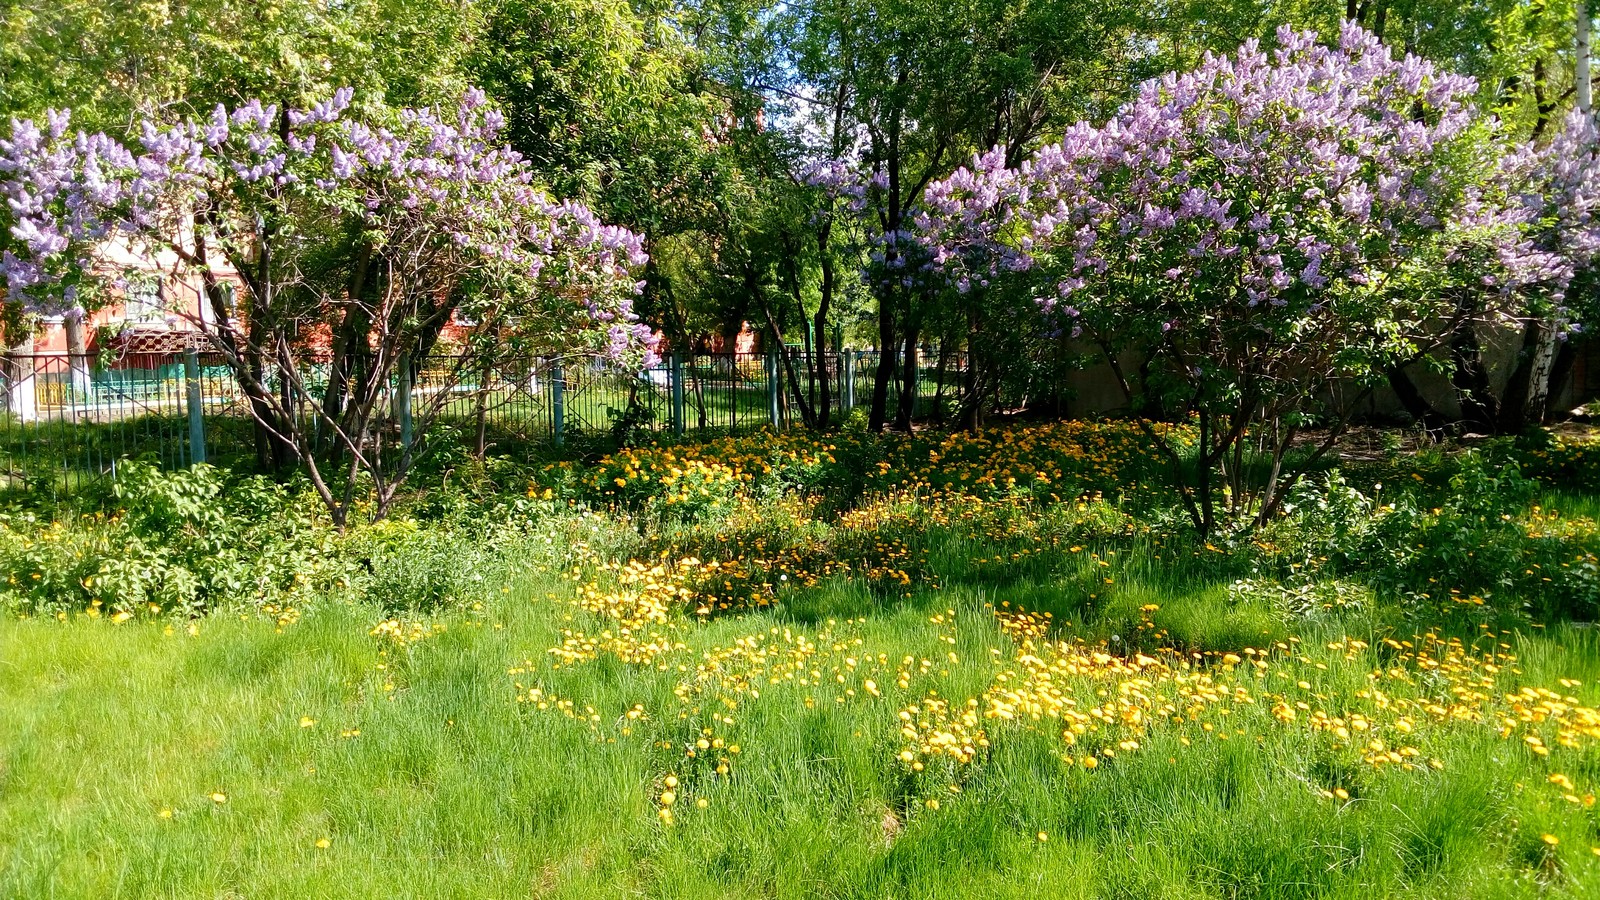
897, 258
420, 176
1558, 189
1258, 178
1269, 182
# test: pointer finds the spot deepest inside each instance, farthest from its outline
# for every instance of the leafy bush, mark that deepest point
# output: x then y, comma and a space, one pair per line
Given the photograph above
1478, 543
409, 567
177, 543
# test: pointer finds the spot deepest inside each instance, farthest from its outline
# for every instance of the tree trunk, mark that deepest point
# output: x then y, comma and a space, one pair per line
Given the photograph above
807, 417
1544, 359
885, 372
1528, 388
273, 451
1479, 406
972, 380
77, 354
938, 380
819, 324
480, 445
21, 385
1581, 77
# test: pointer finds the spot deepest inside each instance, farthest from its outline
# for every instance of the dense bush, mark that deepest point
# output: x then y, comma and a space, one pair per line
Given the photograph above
193, 541
175, 542
743, 522
1478, 542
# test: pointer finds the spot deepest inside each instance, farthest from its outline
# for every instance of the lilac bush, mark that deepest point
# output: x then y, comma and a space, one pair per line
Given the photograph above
427, 186
1254, 244
1558, 184
357, 239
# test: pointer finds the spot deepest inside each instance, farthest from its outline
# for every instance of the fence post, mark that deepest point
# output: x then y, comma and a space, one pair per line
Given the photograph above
402, 400
675, 375
772, 387
558, 405
849, 379
195, 401
916, 379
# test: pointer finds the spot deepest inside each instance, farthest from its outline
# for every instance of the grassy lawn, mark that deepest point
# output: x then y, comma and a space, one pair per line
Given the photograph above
731, 688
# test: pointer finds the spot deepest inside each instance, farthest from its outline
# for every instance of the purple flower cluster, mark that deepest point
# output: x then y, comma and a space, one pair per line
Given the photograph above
1274, 180
897, 258
1557, 184
419, 178
964, 222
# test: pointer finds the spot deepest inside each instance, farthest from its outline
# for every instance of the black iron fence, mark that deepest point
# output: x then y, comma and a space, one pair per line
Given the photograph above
68, 420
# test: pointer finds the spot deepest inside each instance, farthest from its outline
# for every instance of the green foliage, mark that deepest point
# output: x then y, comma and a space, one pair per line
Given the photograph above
108, 60
178, 543
410, 567
1476, 545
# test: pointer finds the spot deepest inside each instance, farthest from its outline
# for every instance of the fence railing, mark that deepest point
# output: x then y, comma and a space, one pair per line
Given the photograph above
68, 420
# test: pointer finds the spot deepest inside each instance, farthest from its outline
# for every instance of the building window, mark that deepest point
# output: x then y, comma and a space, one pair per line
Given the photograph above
144, 301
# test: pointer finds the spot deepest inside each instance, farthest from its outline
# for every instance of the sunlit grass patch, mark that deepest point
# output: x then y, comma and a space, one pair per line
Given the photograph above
920, 690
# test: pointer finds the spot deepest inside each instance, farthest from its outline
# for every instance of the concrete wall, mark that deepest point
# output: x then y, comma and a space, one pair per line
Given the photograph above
1095, 391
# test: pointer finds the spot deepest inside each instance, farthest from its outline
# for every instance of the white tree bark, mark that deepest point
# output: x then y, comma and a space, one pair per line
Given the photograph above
1581, 77
1544, 357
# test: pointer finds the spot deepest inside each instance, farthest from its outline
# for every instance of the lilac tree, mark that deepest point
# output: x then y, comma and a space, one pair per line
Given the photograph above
356, 239
1251, 246
878, 201
1558, 183
974, 242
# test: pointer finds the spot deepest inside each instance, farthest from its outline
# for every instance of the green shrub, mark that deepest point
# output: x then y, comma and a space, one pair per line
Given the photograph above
177, 543
1478, 543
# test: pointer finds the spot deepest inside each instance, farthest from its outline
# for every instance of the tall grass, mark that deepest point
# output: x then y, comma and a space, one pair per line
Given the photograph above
451, 788
415, 736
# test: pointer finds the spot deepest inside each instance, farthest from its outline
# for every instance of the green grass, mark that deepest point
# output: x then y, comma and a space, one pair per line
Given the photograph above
1220, 722
453, 789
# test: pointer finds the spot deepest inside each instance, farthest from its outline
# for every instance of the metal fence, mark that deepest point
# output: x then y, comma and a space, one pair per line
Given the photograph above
69, 420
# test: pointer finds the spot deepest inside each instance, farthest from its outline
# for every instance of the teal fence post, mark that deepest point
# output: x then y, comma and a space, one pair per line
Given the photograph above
195, 401
675, 375
403, 401
849, 379
772, 387
558, 407
916, 379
